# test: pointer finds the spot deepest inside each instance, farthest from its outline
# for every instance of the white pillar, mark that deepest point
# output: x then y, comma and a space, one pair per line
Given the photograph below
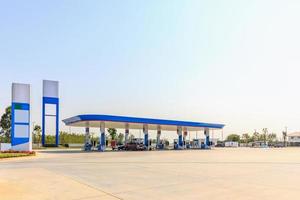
102, 143
21, 137
50, 97
126, 133
146, 135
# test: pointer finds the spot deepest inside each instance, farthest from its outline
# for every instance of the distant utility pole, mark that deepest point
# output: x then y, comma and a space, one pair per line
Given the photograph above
286, 129
284, 133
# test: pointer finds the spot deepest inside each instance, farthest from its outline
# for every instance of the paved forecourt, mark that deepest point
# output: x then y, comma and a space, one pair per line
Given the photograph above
241, 173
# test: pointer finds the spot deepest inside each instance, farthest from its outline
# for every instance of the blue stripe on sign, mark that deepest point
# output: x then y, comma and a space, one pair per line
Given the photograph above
20, 106
50, 100
18, 141
21, 123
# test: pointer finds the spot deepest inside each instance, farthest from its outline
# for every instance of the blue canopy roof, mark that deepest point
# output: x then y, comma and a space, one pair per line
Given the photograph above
135, 122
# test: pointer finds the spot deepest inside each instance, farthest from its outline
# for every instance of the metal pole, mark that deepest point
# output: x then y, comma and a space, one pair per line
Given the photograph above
285, 137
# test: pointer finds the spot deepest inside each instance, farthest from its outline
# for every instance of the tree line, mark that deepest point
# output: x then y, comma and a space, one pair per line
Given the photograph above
264, 136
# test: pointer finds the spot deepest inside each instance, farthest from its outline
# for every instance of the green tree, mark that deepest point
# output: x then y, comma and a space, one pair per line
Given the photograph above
37, 136
131, 137
255, 136
233, 138
112, 132
264, 135
246, 138
120, 138
72, 138
5, 124
271, 137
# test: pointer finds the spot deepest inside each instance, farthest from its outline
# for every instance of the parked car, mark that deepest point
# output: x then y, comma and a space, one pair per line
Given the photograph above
278, 145
220, 144
132, 146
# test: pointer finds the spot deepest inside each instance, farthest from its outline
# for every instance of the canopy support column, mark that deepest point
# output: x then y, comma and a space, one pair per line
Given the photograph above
207, 142
126, 133
146, 136
102, 142
158, 145
180, 138
87, 143
185, 133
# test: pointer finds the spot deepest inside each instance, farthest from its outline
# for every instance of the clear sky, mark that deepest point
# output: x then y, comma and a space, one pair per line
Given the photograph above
235, 62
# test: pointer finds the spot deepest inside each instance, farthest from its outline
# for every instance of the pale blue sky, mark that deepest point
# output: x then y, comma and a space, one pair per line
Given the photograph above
234, 62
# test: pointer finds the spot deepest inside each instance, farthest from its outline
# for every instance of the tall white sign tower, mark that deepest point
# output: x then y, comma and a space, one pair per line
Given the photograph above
21, 139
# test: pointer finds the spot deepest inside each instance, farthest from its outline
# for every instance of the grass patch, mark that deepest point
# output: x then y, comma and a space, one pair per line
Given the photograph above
13, 154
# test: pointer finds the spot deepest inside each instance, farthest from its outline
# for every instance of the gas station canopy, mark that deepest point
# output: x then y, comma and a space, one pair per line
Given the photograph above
120, 122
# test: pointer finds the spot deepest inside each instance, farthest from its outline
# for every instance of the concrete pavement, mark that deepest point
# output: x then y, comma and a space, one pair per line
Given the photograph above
241, 173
